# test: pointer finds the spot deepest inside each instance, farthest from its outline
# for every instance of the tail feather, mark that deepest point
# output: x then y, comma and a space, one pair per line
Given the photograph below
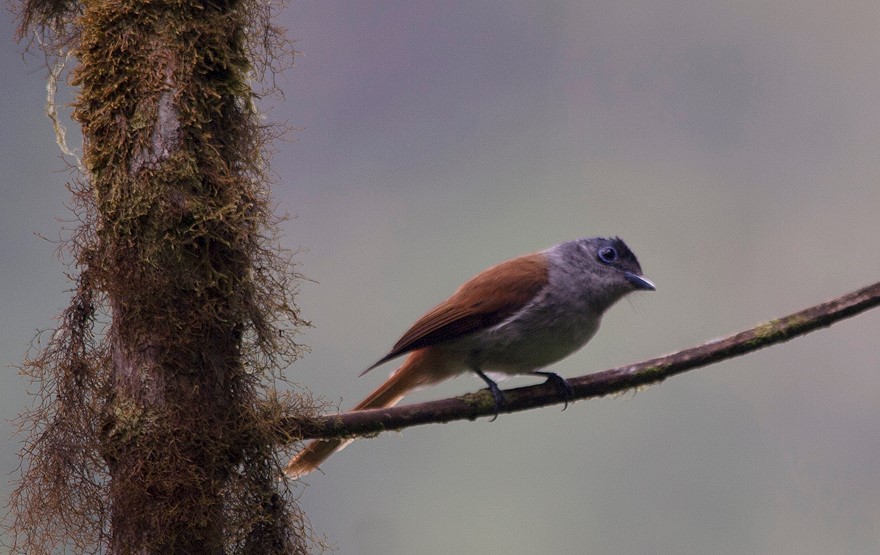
416, 371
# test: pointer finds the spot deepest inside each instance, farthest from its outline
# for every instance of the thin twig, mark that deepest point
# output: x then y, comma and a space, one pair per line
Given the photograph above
480, 403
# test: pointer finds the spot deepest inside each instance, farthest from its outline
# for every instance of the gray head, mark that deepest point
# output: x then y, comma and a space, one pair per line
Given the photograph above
604, 269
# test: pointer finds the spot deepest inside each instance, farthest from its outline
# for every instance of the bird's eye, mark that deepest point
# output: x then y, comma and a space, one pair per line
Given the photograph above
607, 255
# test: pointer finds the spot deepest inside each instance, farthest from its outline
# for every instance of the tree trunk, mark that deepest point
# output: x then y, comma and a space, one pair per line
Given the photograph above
159, 432
165, 110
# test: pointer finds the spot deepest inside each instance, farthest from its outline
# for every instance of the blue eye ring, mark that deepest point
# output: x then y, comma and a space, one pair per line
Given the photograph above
608, 255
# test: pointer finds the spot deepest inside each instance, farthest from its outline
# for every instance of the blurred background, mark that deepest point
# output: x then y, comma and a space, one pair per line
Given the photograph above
734, 146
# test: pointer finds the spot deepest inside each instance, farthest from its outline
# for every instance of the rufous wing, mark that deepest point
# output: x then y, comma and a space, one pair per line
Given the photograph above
481, 302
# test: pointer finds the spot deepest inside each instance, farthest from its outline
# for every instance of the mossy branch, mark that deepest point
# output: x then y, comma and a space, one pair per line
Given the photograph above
615, 380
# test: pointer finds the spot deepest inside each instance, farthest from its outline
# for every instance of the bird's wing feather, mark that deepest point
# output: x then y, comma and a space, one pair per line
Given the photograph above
481, 302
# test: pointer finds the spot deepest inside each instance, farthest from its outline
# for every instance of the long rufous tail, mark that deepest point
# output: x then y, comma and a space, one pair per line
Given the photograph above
416, 371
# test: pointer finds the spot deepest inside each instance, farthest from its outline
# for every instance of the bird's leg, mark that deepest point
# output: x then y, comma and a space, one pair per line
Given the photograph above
561, 384
496, 392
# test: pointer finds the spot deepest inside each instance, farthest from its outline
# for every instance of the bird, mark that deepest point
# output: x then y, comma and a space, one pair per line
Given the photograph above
513, 318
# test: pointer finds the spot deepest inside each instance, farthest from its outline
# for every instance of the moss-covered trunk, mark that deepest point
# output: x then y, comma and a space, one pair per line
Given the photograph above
156, 103
168, 429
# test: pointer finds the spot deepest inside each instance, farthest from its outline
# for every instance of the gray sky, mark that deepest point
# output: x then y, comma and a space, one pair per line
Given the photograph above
734, 145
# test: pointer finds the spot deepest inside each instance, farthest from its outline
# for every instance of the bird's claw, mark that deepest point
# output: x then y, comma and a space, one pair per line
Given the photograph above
561, 384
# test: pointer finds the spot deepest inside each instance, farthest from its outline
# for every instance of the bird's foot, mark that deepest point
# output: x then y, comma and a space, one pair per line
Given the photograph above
561, 384
497, 394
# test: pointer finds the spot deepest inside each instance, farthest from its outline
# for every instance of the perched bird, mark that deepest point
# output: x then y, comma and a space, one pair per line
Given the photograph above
513, 318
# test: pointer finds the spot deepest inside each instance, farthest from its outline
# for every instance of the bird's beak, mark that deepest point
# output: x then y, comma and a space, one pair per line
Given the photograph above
640, 282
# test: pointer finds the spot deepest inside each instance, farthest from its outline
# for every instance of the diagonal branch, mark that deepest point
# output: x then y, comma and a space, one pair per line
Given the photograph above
480, 403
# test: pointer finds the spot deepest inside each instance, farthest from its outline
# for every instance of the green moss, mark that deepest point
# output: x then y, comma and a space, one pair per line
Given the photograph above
658, 372
177, 245
764, 333
481, 400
